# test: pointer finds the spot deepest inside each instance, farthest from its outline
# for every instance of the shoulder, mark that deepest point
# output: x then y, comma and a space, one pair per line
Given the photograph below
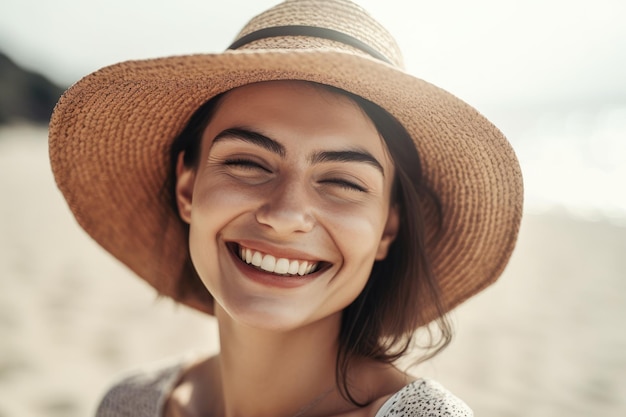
424, 398
141, 393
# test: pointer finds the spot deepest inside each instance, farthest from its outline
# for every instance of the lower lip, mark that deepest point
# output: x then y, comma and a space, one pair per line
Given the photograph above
270, 279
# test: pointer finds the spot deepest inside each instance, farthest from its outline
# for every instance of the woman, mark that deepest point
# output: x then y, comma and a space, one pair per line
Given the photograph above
321, 203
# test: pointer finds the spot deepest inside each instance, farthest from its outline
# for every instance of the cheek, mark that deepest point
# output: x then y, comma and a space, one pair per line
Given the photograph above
214, 192
214, 207
356, 236
357, 232
202, 249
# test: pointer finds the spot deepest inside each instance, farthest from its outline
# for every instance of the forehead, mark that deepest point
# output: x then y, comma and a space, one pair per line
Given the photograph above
308, 113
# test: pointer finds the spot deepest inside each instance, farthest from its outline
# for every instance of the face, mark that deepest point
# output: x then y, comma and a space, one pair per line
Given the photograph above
289, 205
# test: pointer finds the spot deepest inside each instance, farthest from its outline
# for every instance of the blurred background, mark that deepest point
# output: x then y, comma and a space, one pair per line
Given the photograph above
547, 340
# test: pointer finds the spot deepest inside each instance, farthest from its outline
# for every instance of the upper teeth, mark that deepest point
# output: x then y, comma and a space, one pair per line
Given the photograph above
270, 263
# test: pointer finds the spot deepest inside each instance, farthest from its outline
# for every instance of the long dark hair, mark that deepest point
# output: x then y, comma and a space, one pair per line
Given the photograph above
381, 322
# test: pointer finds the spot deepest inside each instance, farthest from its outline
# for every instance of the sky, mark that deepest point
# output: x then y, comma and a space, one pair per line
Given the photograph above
485, 51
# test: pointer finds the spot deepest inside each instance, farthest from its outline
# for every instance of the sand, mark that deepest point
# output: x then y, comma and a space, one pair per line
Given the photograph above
547, 340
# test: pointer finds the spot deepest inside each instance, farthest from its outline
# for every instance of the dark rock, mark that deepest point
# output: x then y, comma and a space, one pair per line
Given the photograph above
25, 96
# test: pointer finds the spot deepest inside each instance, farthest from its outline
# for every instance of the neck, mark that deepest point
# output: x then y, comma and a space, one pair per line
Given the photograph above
272, 373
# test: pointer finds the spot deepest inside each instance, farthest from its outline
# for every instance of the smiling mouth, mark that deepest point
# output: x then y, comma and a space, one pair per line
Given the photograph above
279, 266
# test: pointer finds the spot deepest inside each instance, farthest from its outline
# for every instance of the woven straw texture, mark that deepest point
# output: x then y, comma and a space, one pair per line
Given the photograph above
111, 132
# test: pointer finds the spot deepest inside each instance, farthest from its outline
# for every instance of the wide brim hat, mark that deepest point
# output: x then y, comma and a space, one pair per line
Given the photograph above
111, 132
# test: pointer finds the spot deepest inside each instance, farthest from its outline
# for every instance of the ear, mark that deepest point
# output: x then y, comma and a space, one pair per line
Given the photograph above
185, 179
389, 233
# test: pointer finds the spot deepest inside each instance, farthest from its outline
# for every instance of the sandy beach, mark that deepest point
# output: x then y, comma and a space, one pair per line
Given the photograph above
547, 340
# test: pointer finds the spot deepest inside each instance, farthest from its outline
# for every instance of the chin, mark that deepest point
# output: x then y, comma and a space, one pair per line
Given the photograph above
268, 315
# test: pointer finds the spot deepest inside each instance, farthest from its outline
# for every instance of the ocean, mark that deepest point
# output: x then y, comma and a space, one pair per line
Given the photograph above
573, 156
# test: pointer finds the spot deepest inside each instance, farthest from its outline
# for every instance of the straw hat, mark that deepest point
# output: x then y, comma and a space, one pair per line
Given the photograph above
111, 132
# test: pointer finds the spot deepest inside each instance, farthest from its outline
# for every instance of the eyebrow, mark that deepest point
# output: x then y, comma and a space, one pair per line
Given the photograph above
259, 139
350, 155
252, 137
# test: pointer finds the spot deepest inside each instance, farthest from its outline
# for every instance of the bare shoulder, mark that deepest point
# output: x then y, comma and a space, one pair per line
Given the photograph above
378, 382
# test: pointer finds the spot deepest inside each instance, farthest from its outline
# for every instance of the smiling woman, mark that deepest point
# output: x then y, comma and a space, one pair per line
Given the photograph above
288, 198
321, 203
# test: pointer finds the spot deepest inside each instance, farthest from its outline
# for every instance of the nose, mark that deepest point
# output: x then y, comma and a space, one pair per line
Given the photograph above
286, 210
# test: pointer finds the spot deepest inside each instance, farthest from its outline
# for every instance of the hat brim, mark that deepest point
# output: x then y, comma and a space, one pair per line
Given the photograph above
111, 133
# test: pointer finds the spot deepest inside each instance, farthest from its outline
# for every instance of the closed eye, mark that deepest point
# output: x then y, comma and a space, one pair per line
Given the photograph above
245, 164
348, 185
